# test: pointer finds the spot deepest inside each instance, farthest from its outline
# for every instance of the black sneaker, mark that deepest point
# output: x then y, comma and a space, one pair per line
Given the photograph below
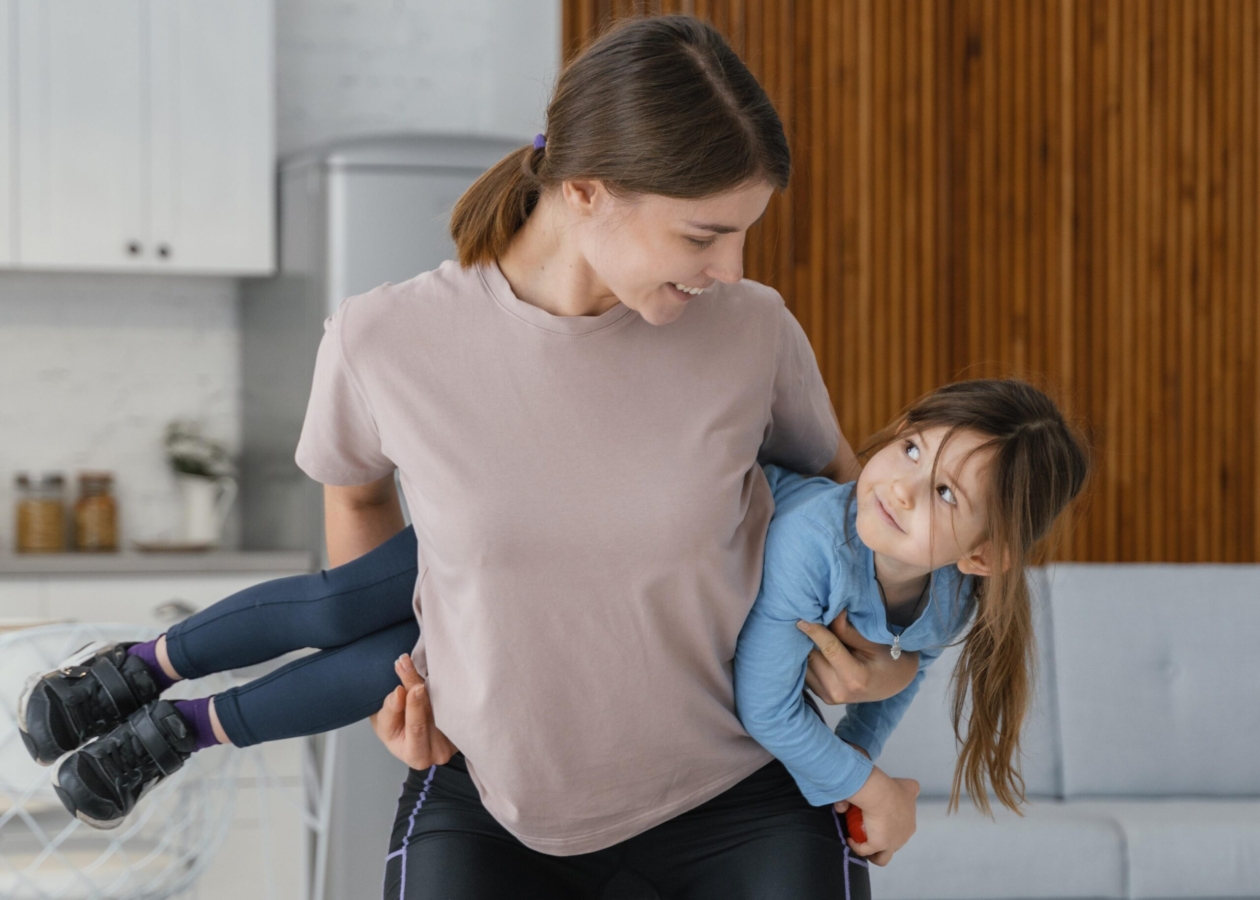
88, 696
104, 781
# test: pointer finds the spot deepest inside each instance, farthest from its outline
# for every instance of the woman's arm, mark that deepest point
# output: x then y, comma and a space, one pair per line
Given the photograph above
845, 466
845, 667
360, 518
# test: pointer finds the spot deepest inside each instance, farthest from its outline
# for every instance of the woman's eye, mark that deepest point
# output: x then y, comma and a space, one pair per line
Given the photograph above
703, 245
912, 451
946, 494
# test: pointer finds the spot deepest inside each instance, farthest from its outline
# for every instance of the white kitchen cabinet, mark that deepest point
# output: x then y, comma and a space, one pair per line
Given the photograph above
141, 599
213, 135
22, 598
82, 171
145, 135
265, 850
7, 181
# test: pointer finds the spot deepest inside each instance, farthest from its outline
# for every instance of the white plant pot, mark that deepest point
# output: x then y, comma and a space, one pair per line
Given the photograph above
206, 502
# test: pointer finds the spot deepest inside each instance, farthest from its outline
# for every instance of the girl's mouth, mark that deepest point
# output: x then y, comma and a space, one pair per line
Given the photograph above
883, 511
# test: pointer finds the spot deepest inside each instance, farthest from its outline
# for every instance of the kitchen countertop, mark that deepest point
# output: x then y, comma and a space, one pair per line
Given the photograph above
218, 562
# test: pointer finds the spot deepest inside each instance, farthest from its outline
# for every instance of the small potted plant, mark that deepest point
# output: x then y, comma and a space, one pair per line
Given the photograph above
205, 475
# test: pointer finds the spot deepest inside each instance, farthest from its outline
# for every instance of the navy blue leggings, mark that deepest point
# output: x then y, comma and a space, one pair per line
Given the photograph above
359, 616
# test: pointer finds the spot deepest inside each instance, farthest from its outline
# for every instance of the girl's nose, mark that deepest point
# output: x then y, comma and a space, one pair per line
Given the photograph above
902, 493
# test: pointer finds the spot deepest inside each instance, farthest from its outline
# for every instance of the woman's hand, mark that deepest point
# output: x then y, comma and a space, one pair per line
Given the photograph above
405, 723
847, 668
888, 815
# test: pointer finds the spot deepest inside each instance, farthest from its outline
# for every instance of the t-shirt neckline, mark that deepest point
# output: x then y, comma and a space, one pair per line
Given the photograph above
492, 277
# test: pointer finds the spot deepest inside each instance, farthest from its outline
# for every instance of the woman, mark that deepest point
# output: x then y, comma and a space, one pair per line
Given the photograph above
577, 410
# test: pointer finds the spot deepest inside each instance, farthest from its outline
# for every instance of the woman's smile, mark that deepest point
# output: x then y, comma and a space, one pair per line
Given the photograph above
684, 292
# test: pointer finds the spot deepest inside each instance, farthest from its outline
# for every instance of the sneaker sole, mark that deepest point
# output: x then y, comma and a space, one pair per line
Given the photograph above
84, 653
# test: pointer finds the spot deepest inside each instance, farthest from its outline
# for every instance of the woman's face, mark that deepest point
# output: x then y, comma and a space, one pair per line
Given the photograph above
654, 253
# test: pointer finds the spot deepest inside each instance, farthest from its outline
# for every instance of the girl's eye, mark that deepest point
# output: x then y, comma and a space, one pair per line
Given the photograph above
912, 451
946, 494
703, 245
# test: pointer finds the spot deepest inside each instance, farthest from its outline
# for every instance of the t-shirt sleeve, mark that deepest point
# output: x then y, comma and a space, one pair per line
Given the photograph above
340, 442
802, 434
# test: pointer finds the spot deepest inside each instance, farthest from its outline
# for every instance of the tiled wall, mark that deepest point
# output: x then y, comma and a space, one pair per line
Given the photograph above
92, 367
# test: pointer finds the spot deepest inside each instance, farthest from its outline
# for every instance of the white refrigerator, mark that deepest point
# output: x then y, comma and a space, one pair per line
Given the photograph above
353, 215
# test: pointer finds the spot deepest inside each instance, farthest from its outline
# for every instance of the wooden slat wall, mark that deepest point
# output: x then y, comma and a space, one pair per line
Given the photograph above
1061, 189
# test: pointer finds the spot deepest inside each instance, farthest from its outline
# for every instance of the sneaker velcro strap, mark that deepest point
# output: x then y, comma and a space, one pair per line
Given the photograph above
155, 742
70, 701
116, 687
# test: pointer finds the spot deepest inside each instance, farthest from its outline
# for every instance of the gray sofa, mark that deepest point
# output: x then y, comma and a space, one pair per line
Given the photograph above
1142, 758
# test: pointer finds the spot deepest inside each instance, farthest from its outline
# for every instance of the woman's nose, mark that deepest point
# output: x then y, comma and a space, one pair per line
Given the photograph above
902, 493
728, 267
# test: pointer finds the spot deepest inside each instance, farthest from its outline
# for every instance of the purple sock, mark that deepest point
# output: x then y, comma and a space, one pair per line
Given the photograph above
148, 652
197, 714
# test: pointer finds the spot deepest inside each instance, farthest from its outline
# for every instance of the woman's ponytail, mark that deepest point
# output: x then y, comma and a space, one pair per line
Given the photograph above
496, 206
658, 105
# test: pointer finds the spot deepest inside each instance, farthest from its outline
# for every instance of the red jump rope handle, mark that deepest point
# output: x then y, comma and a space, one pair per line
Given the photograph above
853, 821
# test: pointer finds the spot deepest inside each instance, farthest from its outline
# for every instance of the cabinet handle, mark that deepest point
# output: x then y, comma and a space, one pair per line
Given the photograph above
134, 248
172, 611
164, 250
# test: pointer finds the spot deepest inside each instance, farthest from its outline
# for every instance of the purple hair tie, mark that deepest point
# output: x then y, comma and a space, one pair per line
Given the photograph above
540, 141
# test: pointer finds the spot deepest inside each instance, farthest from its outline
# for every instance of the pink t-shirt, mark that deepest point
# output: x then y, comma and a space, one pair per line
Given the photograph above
591, 517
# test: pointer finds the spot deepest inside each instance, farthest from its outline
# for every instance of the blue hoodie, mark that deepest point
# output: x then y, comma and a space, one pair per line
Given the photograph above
816, 567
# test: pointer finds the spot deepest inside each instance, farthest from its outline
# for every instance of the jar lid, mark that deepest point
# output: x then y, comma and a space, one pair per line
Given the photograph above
22, 479
53, 479
96, 477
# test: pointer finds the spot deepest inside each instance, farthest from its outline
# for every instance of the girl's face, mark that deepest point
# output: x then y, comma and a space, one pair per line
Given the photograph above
654, 253
925, 523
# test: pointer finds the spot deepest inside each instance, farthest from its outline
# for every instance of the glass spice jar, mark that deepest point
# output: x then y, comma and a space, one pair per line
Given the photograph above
96, 514
41, 514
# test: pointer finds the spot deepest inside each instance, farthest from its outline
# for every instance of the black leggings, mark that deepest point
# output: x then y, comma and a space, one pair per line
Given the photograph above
759, 840
359, 616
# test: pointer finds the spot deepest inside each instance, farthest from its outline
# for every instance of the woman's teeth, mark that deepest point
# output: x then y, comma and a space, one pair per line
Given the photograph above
689, 290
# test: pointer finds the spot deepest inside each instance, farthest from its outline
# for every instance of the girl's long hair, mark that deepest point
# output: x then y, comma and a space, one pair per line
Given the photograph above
658, 105
1039, 464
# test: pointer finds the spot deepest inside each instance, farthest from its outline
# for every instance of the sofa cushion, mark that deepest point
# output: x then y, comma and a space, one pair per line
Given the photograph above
1156, 679
1056, 851
1187, 848
923, 745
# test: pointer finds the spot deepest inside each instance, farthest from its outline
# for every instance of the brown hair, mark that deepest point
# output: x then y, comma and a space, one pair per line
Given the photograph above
1039, 464
658, 105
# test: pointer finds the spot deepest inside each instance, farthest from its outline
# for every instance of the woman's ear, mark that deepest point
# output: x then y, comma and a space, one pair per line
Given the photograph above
979, 561
582, 196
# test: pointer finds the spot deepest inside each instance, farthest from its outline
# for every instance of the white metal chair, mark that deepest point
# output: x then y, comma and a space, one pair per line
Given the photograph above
46, 854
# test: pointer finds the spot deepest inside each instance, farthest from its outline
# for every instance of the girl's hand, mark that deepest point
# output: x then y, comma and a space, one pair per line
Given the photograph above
847, 668
405, 723
888, 814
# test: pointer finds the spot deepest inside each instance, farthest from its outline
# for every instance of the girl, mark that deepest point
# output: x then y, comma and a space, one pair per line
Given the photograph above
936, 532
577, 409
